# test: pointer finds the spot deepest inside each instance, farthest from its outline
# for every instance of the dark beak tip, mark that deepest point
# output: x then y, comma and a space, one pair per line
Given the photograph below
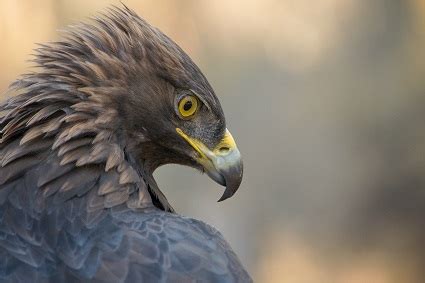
230, 190
224, 196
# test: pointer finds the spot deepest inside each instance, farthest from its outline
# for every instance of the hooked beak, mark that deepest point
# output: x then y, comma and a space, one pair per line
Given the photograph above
223, 163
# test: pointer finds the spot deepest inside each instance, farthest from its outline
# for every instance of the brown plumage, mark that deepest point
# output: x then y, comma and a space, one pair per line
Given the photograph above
78, 145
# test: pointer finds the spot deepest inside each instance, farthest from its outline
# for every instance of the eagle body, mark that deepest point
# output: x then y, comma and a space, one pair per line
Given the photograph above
79, 142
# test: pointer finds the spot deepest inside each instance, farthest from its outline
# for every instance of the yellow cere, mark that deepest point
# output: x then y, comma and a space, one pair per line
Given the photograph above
226, 144
188, 106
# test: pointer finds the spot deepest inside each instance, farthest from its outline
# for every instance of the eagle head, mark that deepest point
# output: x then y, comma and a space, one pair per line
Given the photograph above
146, 91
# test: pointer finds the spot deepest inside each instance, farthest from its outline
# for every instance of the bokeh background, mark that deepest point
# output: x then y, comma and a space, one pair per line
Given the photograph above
326, 100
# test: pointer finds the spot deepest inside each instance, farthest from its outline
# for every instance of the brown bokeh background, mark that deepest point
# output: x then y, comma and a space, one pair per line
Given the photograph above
326, 100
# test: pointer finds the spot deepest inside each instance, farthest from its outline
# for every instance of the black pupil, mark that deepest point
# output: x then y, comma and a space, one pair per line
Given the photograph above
187, 105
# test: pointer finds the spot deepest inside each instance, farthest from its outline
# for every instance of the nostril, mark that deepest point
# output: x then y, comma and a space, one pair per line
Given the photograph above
224, 149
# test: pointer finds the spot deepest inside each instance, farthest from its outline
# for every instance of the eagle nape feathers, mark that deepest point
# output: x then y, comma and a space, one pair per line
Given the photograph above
79, 140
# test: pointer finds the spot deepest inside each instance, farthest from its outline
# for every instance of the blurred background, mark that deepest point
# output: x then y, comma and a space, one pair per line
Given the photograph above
326, 100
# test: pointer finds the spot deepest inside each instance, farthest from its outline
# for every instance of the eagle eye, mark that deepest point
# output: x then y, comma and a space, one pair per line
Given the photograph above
188, 106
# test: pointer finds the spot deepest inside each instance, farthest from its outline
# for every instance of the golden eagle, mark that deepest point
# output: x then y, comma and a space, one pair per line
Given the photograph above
107, 105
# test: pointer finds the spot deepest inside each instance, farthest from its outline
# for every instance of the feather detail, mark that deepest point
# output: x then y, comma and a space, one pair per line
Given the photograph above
73, 144
17, 168
19, 151
108, 183
74, 155
43, 114
115, 158
48, 127
74, 131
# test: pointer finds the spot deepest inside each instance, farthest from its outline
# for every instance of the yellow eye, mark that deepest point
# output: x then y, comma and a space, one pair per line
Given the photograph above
188, 106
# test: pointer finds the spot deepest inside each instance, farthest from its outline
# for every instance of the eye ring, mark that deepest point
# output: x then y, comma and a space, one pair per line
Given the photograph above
188, 106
